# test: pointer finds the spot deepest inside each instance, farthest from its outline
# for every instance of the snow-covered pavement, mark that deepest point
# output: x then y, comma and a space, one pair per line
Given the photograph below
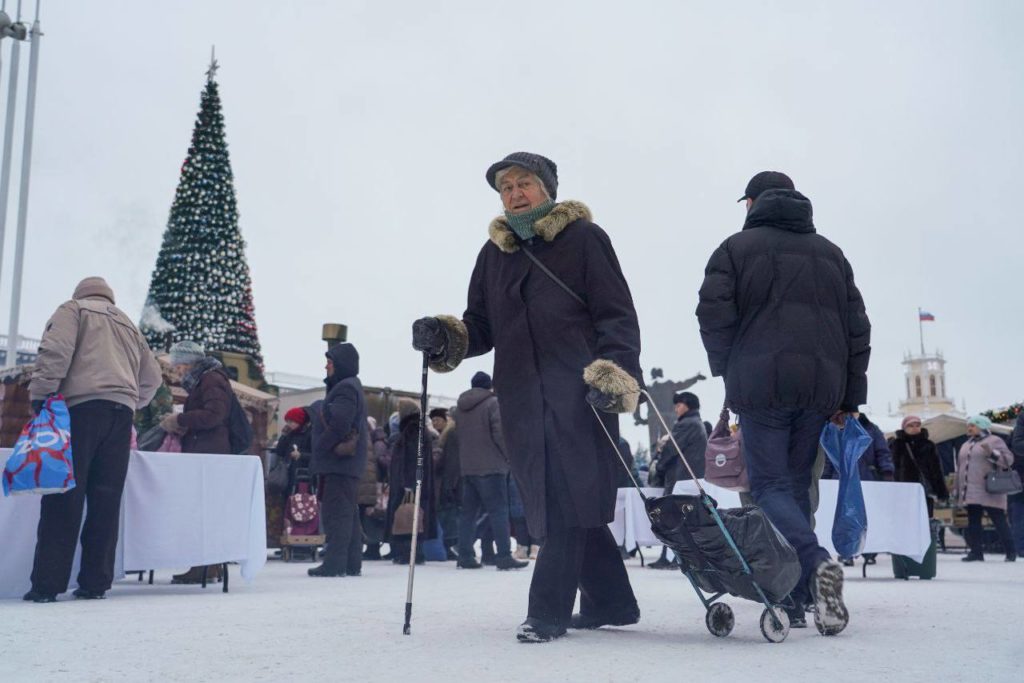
963, 626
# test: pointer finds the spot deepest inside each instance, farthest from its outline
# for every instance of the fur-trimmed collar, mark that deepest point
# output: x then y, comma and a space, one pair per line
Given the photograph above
547, 228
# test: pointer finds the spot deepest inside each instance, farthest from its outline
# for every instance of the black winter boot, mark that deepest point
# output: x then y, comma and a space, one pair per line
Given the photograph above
509, 562
36, 596
623, 617
536, 631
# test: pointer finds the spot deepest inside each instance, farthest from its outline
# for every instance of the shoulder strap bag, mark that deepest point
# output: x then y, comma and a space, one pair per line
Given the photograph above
554, 278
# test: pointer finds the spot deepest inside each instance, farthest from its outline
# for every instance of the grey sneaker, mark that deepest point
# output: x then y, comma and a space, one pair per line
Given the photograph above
830, 614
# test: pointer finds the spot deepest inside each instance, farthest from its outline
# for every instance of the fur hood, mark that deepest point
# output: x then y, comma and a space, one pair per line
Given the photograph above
547, 228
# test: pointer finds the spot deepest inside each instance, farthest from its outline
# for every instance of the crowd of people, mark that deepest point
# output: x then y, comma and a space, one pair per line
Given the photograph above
366, 476
781, 319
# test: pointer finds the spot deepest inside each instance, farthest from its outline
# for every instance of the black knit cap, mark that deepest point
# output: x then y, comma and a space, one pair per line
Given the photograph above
767, 180
481, 380
438, 412
542, 167
690, 399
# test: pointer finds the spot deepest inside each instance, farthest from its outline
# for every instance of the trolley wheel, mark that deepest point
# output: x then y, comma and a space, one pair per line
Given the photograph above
720, 619
774, 628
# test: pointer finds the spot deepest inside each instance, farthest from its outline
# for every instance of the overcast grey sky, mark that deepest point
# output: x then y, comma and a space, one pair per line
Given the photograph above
359, 133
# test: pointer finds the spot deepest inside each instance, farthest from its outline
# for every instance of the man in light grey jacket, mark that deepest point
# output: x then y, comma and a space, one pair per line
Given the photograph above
94, 356
484, 468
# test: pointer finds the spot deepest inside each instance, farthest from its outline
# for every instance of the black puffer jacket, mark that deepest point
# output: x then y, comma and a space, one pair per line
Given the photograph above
780, 316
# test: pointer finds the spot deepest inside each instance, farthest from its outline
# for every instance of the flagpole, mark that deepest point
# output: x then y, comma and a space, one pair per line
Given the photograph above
920, 327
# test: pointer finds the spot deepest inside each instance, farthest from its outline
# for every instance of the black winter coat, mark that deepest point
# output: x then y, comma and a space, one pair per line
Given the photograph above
402, 474
780, 316
927, 471
692, 438
301, 438
543, 339
334, 418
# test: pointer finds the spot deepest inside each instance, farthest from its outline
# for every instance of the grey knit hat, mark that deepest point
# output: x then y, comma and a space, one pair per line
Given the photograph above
542, 167
187, 353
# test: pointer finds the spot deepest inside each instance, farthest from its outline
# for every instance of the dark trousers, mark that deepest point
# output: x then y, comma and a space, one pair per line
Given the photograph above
489, 493
1016, 506
574, 559
339, 510
101, 433
448, 517
779, 448
975, 534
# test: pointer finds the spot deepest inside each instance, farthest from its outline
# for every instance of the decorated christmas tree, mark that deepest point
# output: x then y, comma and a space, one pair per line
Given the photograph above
201, 288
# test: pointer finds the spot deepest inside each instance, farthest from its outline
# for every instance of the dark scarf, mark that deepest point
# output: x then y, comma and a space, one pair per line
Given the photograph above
191, 379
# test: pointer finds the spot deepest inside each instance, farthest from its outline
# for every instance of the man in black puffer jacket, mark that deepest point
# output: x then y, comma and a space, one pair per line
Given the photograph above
784, 324
340, 436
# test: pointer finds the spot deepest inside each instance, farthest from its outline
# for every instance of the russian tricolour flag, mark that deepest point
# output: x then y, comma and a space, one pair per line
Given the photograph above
925, 316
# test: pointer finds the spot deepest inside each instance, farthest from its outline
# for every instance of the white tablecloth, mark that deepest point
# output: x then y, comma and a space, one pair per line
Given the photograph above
178, 510
897, 516
631, 526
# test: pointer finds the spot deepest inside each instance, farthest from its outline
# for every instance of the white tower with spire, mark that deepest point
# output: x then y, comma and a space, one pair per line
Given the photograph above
925, 378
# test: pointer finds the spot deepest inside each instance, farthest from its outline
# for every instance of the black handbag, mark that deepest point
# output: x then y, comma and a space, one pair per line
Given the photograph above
1001, 482
277, 477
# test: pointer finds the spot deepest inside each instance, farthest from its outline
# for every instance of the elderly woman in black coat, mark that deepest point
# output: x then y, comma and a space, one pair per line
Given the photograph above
548, 296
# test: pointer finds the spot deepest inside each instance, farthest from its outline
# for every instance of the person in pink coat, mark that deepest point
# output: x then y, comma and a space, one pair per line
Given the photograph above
982, 453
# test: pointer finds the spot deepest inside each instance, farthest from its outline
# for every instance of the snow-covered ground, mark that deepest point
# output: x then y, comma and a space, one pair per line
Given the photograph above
963, 626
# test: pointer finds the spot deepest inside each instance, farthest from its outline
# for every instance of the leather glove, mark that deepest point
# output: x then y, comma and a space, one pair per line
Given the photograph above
428, 335
602, 401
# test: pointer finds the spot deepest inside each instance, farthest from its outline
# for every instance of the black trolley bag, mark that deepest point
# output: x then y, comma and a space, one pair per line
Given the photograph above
730, 551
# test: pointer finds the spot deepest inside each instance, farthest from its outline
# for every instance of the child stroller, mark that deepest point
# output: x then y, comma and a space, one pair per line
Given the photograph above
737, 552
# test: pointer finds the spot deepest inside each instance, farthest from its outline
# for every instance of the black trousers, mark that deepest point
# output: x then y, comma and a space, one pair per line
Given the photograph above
339, 510
576, 559
975, 533
101, 433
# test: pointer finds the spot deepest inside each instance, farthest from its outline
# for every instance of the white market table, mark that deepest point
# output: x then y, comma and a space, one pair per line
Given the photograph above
631, 526
897, 516
178, 510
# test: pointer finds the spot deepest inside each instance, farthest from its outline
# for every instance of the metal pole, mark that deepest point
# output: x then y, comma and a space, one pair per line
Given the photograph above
26, 170
920, 327
5, 169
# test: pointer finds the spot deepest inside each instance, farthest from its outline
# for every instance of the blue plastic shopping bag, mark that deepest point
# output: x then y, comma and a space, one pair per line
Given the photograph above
41, 461
844, 446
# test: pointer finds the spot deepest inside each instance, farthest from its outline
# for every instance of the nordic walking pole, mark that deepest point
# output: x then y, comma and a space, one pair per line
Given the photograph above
407, 629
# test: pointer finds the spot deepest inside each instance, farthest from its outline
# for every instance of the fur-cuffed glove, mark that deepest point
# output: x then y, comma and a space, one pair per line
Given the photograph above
612, 389
443, 338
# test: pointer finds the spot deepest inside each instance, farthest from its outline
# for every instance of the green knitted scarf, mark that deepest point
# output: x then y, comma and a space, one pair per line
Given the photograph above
522, 223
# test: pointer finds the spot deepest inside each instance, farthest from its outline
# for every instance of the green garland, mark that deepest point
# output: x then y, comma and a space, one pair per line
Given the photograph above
1004, 415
